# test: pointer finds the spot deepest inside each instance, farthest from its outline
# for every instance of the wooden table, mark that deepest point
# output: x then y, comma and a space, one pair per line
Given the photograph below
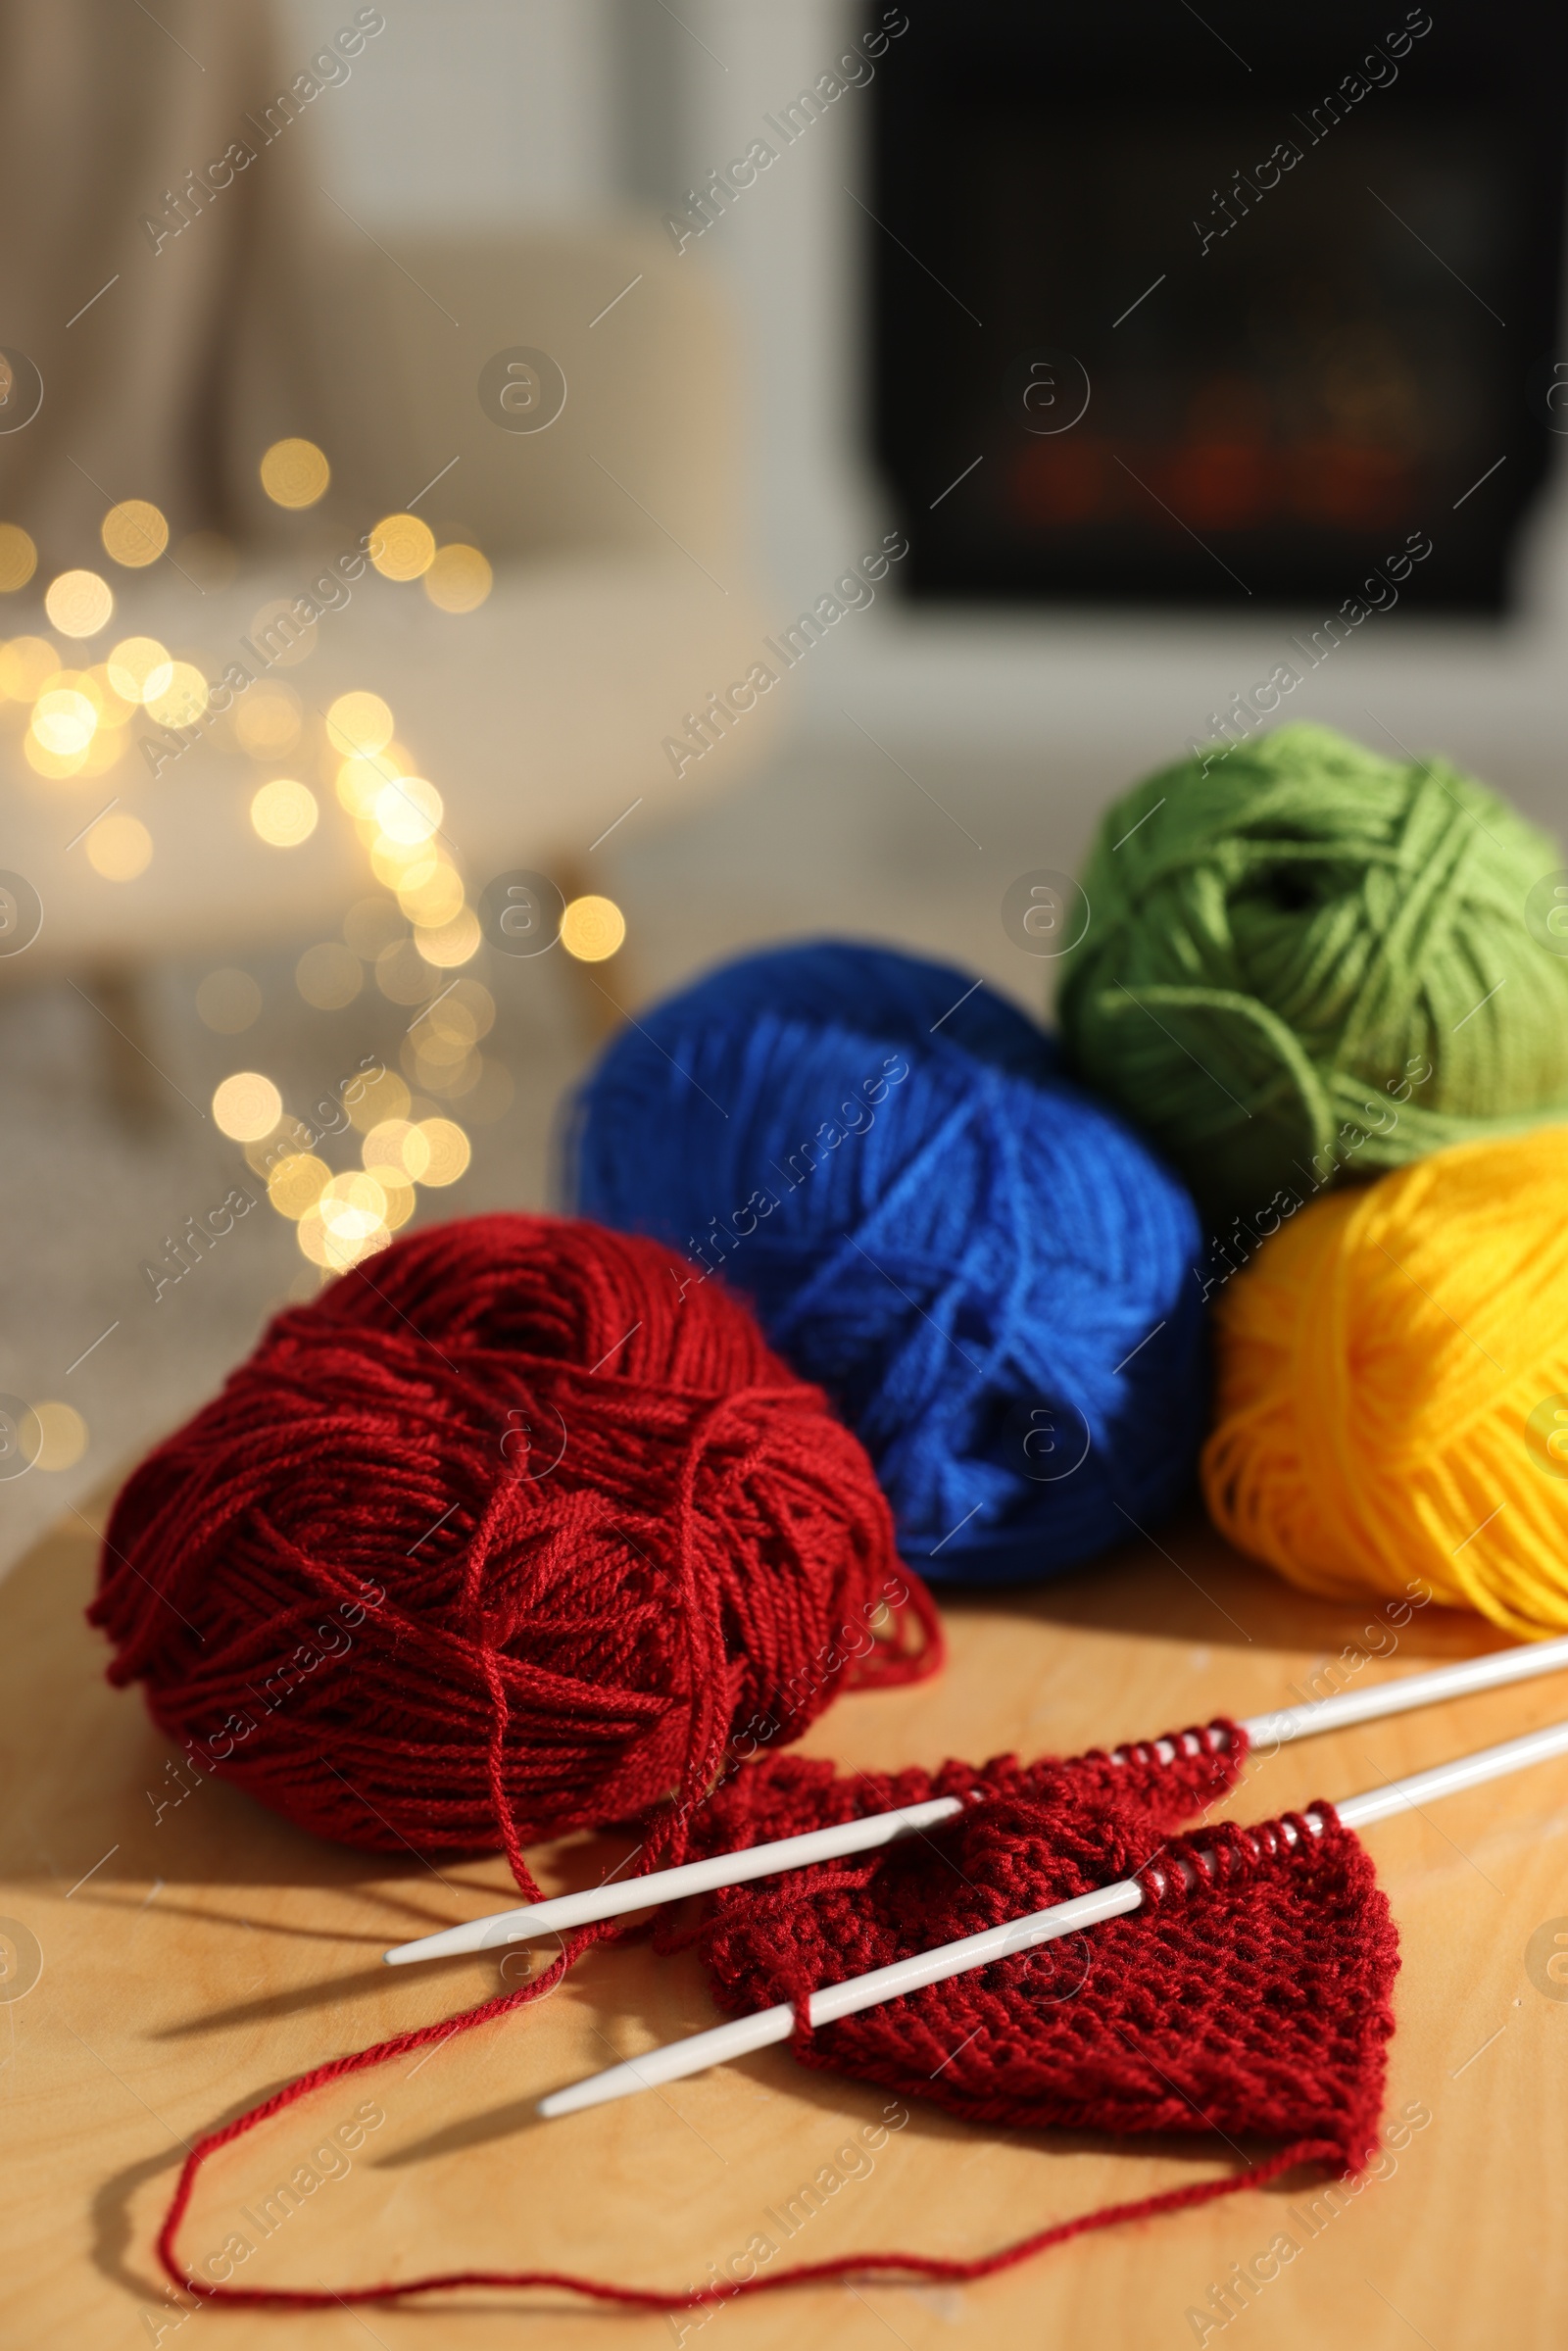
195, 1958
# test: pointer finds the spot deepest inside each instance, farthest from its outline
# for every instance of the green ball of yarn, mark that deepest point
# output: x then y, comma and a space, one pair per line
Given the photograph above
1310, 961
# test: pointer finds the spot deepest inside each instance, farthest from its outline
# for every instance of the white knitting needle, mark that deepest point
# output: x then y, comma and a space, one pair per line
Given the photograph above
749, 2032
863, 1836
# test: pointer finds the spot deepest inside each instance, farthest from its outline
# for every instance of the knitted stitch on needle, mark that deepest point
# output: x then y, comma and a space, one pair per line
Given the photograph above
1247, 1997
785, 1795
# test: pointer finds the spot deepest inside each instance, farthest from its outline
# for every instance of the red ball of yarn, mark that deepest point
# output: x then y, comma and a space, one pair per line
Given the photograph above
514, 1529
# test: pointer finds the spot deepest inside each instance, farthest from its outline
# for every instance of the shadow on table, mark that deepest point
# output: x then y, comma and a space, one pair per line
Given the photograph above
1178, 1579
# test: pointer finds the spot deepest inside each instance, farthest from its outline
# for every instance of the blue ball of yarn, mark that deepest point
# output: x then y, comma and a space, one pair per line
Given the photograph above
986, 1269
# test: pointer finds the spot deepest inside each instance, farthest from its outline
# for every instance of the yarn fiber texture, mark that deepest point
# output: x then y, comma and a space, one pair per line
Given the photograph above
987, 1270
1253, 2000
500, 1537
786, 1796
1278, 946
1250, 1994
1392, 1417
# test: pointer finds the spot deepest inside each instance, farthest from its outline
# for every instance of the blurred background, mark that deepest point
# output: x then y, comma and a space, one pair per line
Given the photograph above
503, 504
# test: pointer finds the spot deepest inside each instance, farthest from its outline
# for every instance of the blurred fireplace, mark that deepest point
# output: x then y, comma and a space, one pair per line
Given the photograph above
1303, 266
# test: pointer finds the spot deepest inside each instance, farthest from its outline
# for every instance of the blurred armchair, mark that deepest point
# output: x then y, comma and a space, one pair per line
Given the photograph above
620, 602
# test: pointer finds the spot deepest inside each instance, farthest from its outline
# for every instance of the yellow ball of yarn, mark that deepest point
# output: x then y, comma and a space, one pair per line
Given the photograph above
1393, 1388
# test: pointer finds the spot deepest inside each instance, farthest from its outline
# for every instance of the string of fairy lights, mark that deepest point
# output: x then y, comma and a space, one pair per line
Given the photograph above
412, 939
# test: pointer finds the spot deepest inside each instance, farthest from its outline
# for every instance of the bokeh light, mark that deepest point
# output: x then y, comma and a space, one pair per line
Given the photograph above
409, 810
359, 726
592, 929
264, 1152
400, 1200
403, 975
18, 558
310, 1234
295, 473
84, 681
102, 751
450, 1151
348, 1221
397, 1145
62, 1436
402, 546
379, 1099
227, 1000
448, 945
119, 847
358, 784
439, 1041
425, 878
451, 1081
399, 863
139, 668
63, 720
268, 720
433, 895
340, 1219
78, 603
470, 1008
329, 976
57, 765
285, 639
333, 1248
352, 1205
297, 1183
284, 813
459, 579
134, 533
246, 1106
113, 709
181, 702
26, 664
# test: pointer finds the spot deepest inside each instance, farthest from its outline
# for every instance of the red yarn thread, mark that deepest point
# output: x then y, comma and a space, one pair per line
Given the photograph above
1287, 1950
512, 1530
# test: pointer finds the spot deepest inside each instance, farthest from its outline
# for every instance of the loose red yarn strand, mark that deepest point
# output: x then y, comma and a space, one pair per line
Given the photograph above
337, 2069
598, 2289
1233, 1861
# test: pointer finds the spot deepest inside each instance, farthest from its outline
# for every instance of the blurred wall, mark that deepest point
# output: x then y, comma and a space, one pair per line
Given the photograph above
473, 113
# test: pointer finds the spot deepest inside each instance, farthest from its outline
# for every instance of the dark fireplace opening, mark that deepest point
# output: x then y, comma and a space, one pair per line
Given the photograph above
1224, 308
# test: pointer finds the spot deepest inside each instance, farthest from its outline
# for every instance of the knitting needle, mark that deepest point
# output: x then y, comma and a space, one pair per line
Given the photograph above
745, 2033
670, 1885
863, 1836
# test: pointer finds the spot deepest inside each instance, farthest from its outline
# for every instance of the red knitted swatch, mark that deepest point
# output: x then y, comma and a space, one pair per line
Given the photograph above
1253, 2002
500, 1537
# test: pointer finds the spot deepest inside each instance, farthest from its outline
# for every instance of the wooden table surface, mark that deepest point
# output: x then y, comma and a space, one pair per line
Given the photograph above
194, 1957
